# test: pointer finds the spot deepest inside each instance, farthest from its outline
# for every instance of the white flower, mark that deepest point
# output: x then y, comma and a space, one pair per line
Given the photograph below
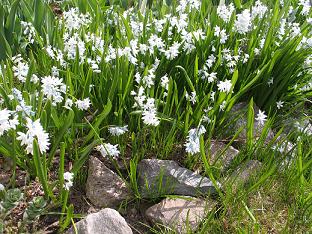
225, 86
68, 103
222, 106
173, 51
108, 150
192, 145
20, 68
258, 10
68, 179
74, 20
155, 41
6, 121
306, 5
148, 80
243, 22
117, 131
191, 98
29, 31
221, 34
212, 77
53, 88
83, 104
211, 59
72, 44
225, 12
279, 104
34, 130
139, 97
149, 114
2, 188
295, 30
261, 117
270, 82
164, 82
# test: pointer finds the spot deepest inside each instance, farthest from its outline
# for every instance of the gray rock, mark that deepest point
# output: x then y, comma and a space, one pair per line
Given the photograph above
179, 213
238, 119
244, 173
104, 188
221, 156
161, 177
105, 221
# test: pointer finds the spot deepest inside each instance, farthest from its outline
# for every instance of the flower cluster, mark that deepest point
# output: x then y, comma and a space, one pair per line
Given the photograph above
7, 121
192, 145
53, 88
69, 180
117, 131
108, 150
34, 131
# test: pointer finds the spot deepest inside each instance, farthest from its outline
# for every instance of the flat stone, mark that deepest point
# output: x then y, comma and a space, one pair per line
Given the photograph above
179, 213
244, 173
221, 155
105, 221
105, 188
238, 117
161, 177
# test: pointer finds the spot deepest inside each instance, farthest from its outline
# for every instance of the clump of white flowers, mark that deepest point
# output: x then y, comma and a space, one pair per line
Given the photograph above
34, 131
306, 6
192, 145
243, 22
117, 131
225, 86
20, 68
108, 150
53, 88
83, 104
191, 97
173, 51
68, 179
221, 34
225, 12
258, 10
29, 31
149, 114
7, 121
73, 19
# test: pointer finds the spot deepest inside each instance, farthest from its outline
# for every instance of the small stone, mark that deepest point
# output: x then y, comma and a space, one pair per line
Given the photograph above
244, 173
105, 221
161, 177
222, 156
178, 213
105, 188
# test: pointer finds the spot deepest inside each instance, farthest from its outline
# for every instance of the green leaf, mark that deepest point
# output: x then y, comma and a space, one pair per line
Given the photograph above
59, 136
41, 172
250, 124
188, 80
100, 118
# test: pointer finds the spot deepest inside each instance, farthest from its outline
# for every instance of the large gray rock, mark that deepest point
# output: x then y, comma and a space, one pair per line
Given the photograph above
179, 213
243, 173
238, 119
221, 155
161, 177
105, 221
104, 188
